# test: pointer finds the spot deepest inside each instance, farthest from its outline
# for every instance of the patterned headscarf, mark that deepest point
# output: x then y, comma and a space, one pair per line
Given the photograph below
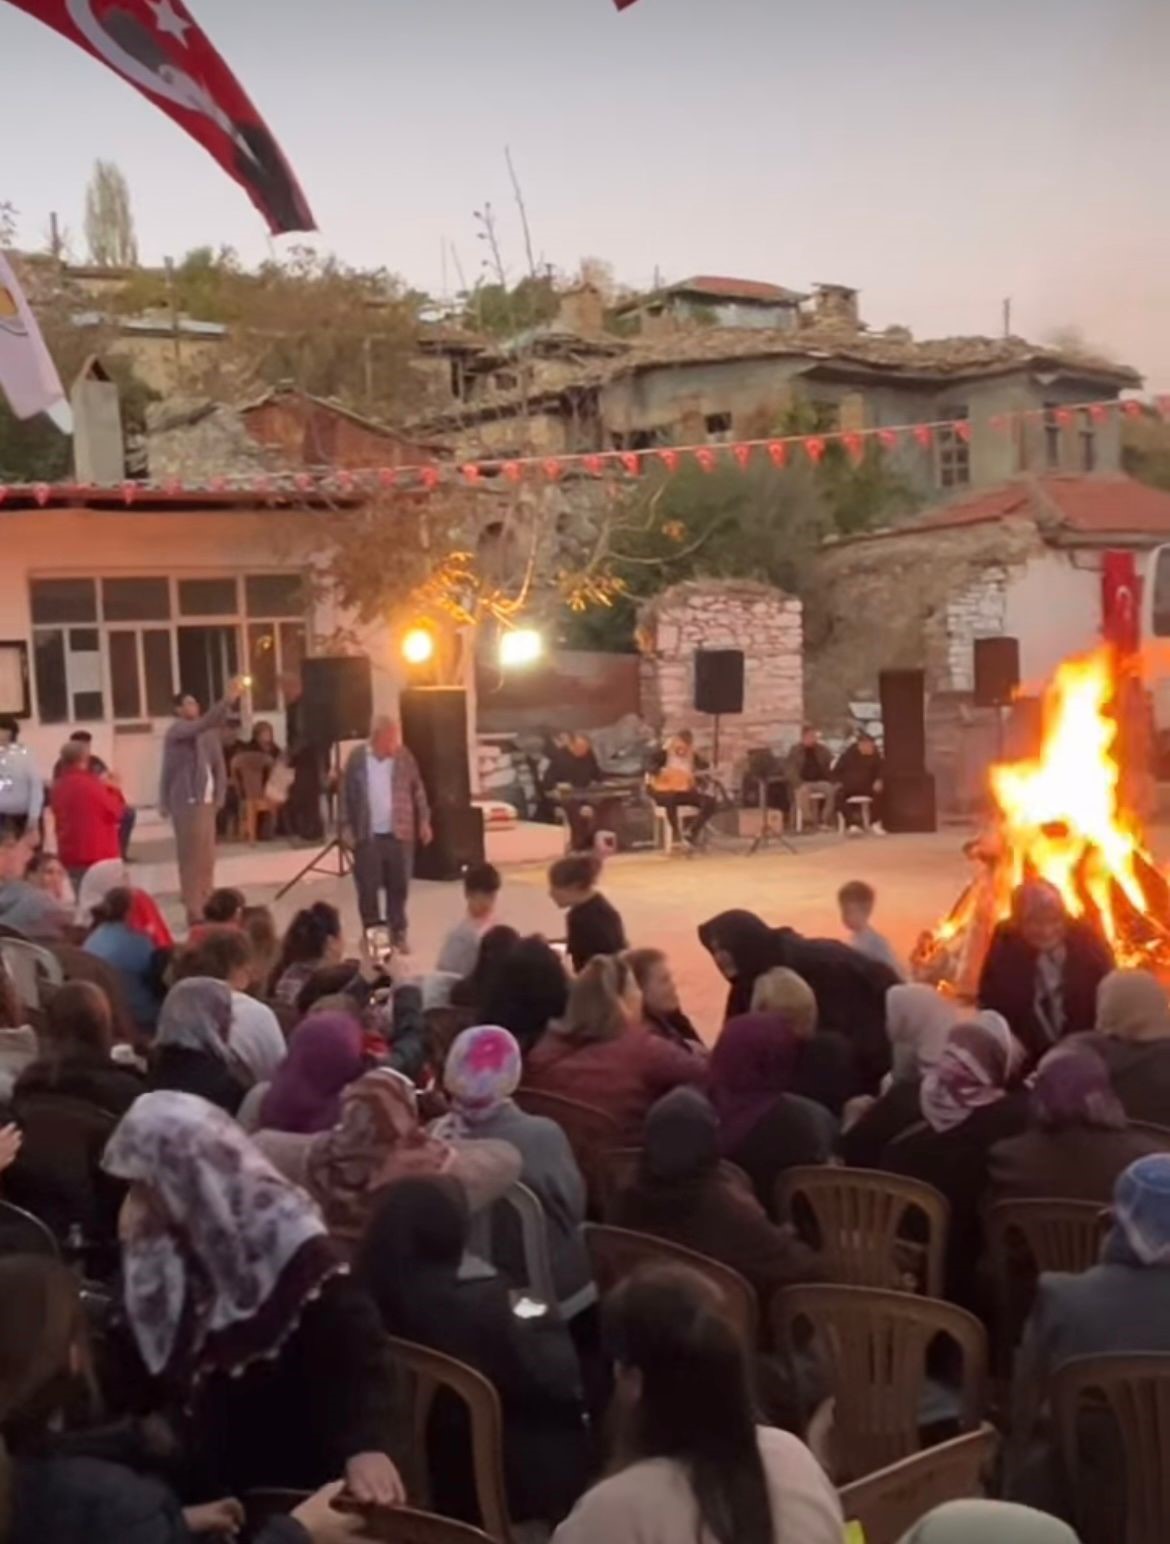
221, 1255
377, 1140
482, 1072
197, 1015
1141, 1214
976, 1065
1072, 1088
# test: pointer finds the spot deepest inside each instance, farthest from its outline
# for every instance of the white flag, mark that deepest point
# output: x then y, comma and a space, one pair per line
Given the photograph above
28, 376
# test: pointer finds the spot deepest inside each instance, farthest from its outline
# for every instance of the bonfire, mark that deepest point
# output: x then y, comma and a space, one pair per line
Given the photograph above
1060, 817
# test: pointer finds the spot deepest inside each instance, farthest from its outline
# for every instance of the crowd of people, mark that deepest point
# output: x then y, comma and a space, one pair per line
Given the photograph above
280, 1152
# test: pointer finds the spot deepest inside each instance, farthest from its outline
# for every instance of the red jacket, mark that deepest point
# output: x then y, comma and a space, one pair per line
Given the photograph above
624, 1077
87, 812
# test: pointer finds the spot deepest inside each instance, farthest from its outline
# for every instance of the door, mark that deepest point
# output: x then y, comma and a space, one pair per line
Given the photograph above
209, 656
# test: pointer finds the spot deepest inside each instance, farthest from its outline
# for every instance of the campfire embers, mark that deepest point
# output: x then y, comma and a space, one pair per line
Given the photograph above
1059, 817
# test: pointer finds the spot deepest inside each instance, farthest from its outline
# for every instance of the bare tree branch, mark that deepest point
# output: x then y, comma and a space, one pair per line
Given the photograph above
523, 212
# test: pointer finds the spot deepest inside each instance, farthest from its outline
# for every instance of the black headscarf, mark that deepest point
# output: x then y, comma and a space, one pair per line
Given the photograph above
751, 943
412, 1250
527, 992
680, 1157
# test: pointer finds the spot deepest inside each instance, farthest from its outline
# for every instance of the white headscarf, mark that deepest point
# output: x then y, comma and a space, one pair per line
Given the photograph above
977, 1063
977, 1522
918, 1021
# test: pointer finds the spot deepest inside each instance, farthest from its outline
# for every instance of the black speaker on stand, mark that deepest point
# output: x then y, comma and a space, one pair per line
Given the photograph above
718, 686
908, 794
434, 729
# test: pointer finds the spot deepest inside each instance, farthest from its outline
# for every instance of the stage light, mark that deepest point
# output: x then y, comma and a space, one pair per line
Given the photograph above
418, 646
520, 646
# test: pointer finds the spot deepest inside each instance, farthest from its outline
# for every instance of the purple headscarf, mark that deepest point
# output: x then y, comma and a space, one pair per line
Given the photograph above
1072, 1088
752, 1065
324, 1056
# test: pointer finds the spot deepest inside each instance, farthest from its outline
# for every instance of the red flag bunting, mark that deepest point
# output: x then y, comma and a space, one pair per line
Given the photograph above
513, 471
160, 50
778, 452
1098, 412
631, 462
593, 464
854, 444
962, 430
669, 459
1162, 403
470, 472
888, 439
815, 446
303, 482
705, 458
1064, 417
999, 421
387, 476
429, 476
3, 493
1132, 409
129, 493
42, 493
741, 453
923, 433
553, 468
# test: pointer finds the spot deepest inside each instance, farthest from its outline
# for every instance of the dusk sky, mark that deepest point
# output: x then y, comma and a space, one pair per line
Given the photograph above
938, 154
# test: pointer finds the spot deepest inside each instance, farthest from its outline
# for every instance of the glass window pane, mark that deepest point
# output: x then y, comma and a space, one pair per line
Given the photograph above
83, 640
208, 597
160, 682
262, 665
293, 646
275, 595
63, 600
49, 672
125, 693
87, 707
136, 600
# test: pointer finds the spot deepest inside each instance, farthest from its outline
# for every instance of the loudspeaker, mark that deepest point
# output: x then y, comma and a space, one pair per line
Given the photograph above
903, 699
337, 698
457, 842
719, 681
908, 801
997, 671
434, 728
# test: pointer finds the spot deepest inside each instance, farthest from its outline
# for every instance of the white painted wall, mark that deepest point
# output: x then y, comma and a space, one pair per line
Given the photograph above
1053, 606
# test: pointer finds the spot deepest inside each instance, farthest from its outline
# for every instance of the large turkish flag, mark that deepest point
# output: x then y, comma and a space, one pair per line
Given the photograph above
159, 49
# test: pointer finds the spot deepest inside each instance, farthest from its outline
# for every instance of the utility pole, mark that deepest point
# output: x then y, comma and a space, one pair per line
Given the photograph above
54, 236
173, 307
1007, 316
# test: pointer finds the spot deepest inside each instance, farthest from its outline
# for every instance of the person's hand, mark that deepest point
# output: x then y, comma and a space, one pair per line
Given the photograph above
226, 1516
374, 1481
323, 1523
10, 1140
426, 833
236, 688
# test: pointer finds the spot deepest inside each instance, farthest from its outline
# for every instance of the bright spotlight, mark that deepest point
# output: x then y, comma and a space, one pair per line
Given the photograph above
418, 646
520, 646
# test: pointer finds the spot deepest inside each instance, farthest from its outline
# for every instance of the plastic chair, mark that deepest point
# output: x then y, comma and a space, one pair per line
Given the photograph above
533, 1227
250, 771
616, 1252
32, 968
22, 1233
401, 1525
1029, 1236
592, 1134
873, 1347
1130, 1394
863, 804
432, 1371
888, 1503
859, 1223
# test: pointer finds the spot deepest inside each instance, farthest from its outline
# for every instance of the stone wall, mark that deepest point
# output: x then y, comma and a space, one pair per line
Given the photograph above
978, 610
724, 614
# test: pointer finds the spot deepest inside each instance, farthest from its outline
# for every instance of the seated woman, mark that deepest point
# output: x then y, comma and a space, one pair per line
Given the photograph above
481, 1074
827, 1070
410, 1262
494, 947
120, 938
918, 1020
688, 1460
1133, 1038
191, 1054
661, 1009
527, 993
1078, 1140
325, 1055
75, 1053
683, 1193
40, 906
602, 1054
60, 1487
313, 939
241, 1308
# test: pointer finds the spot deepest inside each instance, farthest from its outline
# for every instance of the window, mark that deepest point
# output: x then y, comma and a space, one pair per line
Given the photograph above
136, 600
718, 427
1052, 437
125, 689
208, 598
63, 600
1088, 439
158, 671
954, 453
275, 595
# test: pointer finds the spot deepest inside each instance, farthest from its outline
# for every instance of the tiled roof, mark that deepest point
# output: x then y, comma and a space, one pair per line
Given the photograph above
734, 289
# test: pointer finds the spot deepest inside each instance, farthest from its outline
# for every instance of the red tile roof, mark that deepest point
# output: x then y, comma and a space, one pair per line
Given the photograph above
1075, 506
734, 289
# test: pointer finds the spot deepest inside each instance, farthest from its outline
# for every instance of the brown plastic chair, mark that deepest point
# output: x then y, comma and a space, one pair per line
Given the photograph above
250, 771
432, 1371
1131, 1395
22, 1233
615, 1252
873, 1347
859, 1221
400, 1525
592, 1134
1028, 1236
888, 1504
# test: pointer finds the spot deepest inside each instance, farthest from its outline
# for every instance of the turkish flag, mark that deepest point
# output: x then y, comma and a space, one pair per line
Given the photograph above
1121, 591
159, 49
623, 5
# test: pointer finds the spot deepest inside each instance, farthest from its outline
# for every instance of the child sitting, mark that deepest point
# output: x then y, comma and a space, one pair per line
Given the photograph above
594, 925
857, 900
460, 948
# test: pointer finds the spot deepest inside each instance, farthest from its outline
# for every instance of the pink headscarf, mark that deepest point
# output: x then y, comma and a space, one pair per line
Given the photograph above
977, 1063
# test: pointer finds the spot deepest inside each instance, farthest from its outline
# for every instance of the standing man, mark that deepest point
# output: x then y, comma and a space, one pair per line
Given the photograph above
384, 811
809, 771
192, 787
22, 790
87, 810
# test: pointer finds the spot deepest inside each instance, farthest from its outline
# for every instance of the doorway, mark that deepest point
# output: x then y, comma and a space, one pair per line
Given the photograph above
209, 656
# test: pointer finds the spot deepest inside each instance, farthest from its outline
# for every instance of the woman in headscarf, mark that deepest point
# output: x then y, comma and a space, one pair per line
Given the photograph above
683, 1192
326, 1053
1043, 969
241, 1307
481, 1074
1133, 1038
410, 1263
1078, 1140
190, 1053
850, 988
918, 1021
988, 1522
969, 1101
140, 961
764, 1126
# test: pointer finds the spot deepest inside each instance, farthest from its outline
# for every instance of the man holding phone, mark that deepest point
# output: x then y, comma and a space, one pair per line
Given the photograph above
192, 786
384, 812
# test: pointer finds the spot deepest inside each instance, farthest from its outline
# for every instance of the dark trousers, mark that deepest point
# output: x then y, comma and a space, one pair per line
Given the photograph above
706, 804
126, 829
383, 863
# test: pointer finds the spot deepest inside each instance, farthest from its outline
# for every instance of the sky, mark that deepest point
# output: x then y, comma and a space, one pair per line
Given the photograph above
940, 155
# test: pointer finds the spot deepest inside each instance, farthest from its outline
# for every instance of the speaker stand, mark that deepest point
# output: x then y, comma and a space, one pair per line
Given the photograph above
769, 835
335, 848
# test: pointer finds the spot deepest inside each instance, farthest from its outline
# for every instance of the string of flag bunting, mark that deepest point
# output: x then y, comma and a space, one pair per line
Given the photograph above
358, 483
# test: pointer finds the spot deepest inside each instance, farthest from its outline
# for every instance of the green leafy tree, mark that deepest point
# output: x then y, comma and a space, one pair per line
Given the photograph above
109, 219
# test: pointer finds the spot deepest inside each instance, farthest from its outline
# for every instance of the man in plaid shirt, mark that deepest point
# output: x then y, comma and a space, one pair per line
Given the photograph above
384, 811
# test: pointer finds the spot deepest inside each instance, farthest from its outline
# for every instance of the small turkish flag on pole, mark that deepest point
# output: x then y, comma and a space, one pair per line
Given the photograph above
157, 46
623, 5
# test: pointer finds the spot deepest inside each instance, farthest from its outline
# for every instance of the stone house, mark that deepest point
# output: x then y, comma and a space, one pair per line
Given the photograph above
718, 301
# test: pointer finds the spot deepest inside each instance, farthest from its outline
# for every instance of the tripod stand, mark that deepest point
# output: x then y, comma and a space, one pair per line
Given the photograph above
770, 836
335, 858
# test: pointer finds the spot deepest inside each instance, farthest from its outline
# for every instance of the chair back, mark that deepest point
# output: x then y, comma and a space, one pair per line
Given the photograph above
32, 969
888, 1503
397, 1525
619, 1171
248, 772
22, 1233
1129, 1504
873, 1347
616, 1252
1151, 1128
1026, 1237
872, 1229
432, 1371
592, 1134
519, 1206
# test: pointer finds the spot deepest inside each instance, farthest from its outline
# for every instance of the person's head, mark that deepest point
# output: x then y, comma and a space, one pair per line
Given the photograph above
44, 1353
571, 879
856, 900
683, 1392
753, 1064
739, 942
313, 937
225, 907
1039, 914
481, 1073
782, 991
481, 886
494, 947
115, 906
686, 737
1132, 1005
47, 872
197, 1016
604, 1000
980, 1059
681, 1139
263, 734
655, 979
222, 953
325, 1054
83, 737
867, 745
329, 981
419, 1230
385, 736
80, 1021
580, 744
260, 930
74, 757
9, 729
186, 705
1141, 1213
526, 991
918, 1021
809, 737
1072, 1088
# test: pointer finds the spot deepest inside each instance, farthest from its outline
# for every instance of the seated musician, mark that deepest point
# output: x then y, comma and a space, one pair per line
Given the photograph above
858, 774
808, 767
674, 784
573, 765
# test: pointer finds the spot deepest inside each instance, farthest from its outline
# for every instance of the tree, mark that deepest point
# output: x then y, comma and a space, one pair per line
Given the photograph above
109, 221
1145, 449
7, 224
